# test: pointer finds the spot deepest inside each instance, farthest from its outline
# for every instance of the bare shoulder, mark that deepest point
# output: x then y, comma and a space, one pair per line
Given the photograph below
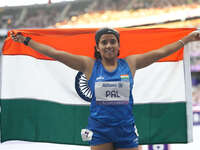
131, 60
89, 61
89, 66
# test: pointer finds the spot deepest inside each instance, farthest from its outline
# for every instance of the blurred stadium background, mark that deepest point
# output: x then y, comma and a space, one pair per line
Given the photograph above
114, 13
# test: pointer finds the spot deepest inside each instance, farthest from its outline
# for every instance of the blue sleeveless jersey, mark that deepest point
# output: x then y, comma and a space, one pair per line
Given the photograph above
112, 100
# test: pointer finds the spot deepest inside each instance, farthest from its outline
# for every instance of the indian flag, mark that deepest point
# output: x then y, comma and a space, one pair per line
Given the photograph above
45, 101
124, 76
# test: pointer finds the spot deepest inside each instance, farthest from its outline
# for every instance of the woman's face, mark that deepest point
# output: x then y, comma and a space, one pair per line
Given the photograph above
108, 46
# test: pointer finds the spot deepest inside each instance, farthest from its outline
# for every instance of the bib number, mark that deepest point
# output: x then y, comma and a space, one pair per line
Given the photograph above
112, 92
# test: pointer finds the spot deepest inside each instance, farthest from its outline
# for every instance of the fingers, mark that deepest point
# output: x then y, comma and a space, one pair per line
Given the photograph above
197, 34
16, 37
194, 36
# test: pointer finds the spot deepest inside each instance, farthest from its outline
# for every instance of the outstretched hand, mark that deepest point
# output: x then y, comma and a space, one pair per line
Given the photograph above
17, 37
194, 36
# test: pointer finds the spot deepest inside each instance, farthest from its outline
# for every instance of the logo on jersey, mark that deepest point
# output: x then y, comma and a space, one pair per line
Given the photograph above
124, 77
100, 78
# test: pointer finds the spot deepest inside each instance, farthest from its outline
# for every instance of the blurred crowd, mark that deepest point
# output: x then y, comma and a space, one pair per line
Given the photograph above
195, 69
140, 17
40, 16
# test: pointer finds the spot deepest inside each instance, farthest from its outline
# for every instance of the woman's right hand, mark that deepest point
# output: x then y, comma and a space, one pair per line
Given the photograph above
18, 37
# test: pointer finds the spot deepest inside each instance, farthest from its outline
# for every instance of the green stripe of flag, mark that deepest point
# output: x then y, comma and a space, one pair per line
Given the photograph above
40, 121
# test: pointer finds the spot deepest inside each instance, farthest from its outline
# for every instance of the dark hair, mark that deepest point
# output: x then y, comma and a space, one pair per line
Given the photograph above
98, 35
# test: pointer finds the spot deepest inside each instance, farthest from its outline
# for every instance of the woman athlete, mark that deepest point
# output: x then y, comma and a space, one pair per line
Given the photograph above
111, 124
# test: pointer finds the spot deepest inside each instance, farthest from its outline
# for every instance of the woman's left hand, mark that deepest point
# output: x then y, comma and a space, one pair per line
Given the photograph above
194, 36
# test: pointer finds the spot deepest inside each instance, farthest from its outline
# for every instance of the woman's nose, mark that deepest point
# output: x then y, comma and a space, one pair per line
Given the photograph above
108, 45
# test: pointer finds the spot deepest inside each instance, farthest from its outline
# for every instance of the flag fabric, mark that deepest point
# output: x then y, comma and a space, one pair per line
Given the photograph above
43, 100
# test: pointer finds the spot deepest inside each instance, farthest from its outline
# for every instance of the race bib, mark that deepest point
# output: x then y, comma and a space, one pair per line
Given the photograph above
112, 93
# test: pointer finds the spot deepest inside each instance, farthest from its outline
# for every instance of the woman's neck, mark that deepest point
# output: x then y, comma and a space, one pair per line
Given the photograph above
109, 65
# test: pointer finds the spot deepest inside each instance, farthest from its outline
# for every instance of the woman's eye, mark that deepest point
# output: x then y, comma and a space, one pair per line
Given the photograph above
113, 41
104, 42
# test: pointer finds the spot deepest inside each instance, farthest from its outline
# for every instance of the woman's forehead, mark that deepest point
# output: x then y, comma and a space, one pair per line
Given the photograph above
108, 36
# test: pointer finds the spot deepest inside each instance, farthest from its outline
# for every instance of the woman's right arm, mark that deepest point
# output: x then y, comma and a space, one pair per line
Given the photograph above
80, 63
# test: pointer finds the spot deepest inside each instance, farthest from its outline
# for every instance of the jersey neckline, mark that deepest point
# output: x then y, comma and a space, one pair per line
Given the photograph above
111, 72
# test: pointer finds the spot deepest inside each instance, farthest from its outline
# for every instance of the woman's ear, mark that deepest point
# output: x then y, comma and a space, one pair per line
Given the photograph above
97, 48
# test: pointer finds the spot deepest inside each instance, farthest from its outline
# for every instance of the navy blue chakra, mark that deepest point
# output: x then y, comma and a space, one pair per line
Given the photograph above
82, 88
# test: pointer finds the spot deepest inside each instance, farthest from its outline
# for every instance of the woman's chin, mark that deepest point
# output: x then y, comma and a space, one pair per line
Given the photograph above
110, 57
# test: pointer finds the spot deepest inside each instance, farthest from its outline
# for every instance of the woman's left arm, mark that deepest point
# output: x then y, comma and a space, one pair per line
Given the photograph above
143, 60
